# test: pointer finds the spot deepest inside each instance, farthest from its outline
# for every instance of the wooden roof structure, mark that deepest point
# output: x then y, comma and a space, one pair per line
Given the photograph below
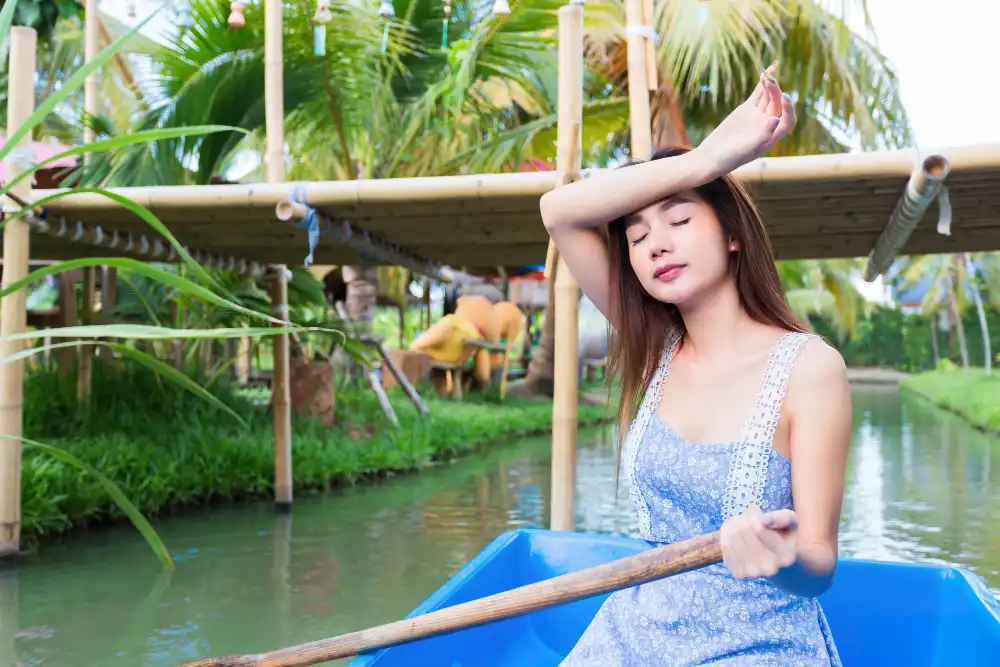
817, 206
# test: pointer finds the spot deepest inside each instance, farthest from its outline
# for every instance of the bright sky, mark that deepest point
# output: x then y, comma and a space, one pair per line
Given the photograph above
946, 55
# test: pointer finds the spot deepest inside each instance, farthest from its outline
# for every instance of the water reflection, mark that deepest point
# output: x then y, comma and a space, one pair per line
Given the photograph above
919, 486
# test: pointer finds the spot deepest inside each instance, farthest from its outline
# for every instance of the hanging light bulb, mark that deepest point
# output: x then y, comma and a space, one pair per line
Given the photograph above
386, 11
444, 24
321, 17
323, 14
501, 8
236, 18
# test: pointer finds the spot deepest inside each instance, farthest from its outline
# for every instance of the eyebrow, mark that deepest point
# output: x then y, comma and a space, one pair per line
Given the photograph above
665, 205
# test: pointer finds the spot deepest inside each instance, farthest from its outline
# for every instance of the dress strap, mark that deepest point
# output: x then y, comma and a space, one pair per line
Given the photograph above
750, 456
637, 429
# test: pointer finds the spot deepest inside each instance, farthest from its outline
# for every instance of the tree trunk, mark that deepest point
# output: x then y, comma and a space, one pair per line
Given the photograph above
667, 118
362, 296
934, 338
963, 346
983, 325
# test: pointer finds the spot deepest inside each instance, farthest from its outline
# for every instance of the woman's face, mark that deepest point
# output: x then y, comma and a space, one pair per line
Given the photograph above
678, 249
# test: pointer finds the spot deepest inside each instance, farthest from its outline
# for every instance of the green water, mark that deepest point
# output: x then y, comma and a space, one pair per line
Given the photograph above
921, 486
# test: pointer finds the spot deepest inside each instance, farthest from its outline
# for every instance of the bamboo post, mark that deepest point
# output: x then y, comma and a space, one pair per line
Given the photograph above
13, 316
274, 119
281, 399
567, 290
649, 19
85, 353
91, 107
66, 356
638, 85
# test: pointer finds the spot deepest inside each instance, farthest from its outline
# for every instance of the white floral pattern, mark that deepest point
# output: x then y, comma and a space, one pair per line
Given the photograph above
682, 489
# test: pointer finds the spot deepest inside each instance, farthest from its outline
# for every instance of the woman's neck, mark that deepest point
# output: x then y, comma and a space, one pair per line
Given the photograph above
718, 327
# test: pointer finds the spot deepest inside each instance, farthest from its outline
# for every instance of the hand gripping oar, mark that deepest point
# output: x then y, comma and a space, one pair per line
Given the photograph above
639, 568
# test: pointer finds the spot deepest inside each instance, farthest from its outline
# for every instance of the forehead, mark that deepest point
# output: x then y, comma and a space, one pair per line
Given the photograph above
662, 206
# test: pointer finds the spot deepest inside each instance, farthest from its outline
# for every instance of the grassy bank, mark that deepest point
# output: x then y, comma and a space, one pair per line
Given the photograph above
168, 450
971, 394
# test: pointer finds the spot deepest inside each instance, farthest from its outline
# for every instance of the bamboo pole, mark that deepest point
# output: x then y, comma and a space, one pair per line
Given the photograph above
85, 353
649, 20
567, 290
91, 46
634, 570
13, 316
638, 85
789, 173
925, 184
275, 129
281, 398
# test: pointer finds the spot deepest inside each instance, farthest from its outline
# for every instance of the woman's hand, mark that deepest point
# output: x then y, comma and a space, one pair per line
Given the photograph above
759, 545
753, 128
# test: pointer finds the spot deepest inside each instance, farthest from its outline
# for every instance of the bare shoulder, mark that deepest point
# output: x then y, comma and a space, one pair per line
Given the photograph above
818, 390
819, 362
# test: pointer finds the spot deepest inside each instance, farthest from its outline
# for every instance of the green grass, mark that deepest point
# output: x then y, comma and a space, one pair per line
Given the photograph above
169, 450
971, 394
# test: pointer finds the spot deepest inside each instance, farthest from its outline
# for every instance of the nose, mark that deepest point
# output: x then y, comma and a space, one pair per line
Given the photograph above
660, 239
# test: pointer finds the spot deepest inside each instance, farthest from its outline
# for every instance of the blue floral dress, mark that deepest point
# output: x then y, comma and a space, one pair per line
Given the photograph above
682, 489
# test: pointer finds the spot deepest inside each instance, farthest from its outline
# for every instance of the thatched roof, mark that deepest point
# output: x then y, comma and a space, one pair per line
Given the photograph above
814, 207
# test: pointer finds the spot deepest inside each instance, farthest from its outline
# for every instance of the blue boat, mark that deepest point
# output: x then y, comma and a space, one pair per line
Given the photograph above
918, 615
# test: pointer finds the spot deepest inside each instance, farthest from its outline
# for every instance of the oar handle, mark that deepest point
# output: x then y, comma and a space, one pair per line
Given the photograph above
615, 575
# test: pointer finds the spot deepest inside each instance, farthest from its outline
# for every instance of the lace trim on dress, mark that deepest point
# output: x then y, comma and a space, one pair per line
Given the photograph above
749, 458
637, 429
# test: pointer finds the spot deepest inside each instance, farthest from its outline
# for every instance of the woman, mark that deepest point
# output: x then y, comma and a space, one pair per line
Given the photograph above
739, 408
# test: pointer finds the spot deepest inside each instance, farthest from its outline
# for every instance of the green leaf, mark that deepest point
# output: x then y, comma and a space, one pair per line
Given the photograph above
63, 92
145, 331
6, 18
139, 210
126, 506
122, 141
148, 270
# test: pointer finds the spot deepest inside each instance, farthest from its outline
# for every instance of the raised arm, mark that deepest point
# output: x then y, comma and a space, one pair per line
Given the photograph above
573, 213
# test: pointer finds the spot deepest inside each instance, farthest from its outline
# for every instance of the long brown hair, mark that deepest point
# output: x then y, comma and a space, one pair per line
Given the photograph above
642, 323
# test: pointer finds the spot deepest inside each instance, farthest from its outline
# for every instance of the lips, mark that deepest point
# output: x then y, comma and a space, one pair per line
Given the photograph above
668, 272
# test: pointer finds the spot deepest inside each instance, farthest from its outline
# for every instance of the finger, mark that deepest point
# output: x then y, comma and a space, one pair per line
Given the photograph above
729, 557
779, 520
764, 99
787, 116
757, 93
750, 549
772, 69
773, 95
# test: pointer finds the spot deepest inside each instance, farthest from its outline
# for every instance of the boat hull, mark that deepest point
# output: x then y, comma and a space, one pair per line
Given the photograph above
881, 613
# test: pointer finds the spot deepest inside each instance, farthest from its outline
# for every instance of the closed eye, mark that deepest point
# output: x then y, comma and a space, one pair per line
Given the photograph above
636, 241
682, 222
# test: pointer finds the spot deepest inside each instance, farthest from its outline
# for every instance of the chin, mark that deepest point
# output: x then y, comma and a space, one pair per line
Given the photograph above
675, 293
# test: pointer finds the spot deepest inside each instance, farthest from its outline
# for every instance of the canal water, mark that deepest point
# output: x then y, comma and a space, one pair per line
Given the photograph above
921, 486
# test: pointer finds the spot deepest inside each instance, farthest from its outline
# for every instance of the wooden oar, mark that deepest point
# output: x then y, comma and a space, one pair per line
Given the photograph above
639, 568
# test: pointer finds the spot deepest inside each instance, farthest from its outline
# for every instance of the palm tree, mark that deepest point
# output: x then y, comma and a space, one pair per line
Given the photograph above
940, 277
707, 58
826, 288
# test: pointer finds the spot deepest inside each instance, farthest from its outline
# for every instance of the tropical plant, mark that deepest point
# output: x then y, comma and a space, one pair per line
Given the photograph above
199, 285
951, 283
826, 288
